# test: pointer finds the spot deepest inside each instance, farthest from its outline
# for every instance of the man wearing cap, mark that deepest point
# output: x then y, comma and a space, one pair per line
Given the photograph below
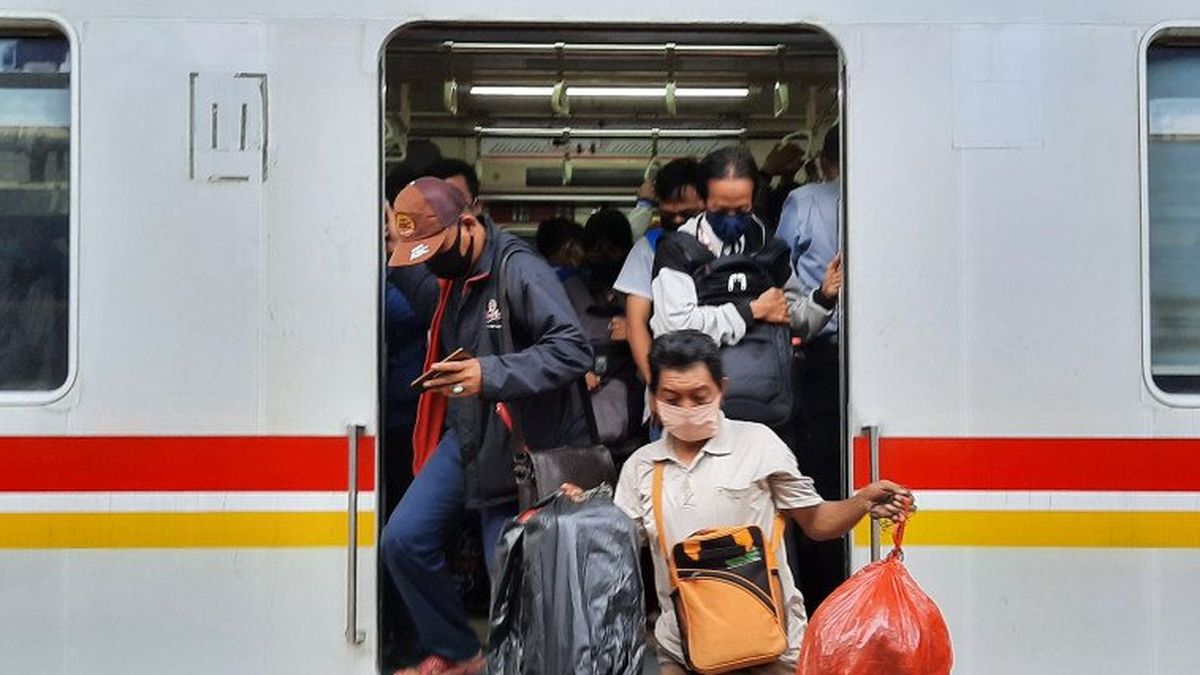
461, 450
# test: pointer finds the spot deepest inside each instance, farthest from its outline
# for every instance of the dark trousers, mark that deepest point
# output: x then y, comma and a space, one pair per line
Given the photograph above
413, 546
399, 635
819, 567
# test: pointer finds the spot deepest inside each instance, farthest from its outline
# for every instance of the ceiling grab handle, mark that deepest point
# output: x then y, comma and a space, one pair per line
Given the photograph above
405, 116
793, 136
808, 158
395, 139
568, 167
653, 164
872, 433
810, 120
672, 101
809, 132
478, 153
782, 97
396, 128
450, 96
354, 636
560, 103
450, 87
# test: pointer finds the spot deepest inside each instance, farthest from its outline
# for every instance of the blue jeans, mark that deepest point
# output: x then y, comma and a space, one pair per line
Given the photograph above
413, 549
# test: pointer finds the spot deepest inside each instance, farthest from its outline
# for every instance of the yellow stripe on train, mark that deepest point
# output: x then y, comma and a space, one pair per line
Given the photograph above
266, 529
240, 529
1066, 529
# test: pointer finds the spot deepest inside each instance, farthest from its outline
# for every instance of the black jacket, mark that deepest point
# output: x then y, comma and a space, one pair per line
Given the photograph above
539, 382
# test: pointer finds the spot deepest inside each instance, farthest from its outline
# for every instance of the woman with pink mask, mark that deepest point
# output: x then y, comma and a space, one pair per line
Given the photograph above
713, 472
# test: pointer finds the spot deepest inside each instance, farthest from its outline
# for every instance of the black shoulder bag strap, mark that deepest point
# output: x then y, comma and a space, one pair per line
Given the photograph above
508, 347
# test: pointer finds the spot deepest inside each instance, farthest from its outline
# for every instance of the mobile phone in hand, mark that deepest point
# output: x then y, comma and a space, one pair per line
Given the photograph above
459, 354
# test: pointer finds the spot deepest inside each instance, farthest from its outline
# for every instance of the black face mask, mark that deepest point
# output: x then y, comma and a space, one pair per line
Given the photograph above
453, 263
730, 227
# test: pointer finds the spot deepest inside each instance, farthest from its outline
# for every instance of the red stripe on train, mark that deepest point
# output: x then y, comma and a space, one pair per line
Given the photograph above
181, 463
1093, 464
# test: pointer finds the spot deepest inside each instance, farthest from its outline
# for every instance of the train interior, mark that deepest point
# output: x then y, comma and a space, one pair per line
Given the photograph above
560, 121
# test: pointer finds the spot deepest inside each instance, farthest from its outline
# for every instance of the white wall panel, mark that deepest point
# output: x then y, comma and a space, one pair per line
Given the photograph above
235, 611
171, 300
905, 269
1054, 611
324, 229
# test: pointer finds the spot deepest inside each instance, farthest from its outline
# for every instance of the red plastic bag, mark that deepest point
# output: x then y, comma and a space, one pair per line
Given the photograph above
879, 621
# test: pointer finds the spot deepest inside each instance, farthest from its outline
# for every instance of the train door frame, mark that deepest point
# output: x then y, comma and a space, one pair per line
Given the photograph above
846, 441
846, 435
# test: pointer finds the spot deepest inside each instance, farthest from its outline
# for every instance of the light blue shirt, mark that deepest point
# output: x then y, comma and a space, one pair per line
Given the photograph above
809, 225
638, 271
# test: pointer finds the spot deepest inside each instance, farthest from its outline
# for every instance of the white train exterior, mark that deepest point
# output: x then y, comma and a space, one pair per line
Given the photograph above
179, 504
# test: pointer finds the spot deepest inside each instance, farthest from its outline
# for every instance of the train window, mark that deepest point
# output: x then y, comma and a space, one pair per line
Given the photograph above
1173, 212
35, 142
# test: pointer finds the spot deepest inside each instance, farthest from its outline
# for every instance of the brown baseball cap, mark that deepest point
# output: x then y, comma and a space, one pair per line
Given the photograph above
424, 212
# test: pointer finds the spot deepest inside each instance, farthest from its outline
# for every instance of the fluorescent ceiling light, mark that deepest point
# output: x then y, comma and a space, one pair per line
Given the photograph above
612, 92
730, 50
623, 92
523, 132
483, 90
718, 92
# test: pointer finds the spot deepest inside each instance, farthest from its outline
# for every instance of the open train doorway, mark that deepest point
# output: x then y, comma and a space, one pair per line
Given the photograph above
548, 127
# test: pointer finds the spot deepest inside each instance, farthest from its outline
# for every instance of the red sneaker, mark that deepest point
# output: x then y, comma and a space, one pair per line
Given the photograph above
437, 665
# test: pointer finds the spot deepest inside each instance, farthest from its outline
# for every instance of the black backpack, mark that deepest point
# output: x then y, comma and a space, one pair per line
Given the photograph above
619, 401
759, 366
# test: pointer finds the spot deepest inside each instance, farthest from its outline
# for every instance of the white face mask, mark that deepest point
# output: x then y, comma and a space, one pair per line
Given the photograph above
690, 425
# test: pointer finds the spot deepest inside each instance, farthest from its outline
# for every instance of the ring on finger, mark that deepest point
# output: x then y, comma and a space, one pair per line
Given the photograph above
457, 389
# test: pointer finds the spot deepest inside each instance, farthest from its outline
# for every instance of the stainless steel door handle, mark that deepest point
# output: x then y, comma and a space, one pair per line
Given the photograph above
354, 636
872, 433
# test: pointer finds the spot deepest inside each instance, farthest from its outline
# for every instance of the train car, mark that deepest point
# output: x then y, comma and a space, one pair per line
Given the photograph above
191, 265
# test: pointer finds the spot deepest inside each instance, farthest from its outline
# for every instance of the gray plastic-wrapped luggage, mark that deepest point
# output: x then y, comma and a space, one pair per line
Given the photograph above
568, 594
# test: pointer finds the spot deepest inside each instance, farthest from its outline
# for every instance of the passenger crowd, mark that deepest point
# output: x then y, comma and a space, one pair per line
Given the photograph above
700, 330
